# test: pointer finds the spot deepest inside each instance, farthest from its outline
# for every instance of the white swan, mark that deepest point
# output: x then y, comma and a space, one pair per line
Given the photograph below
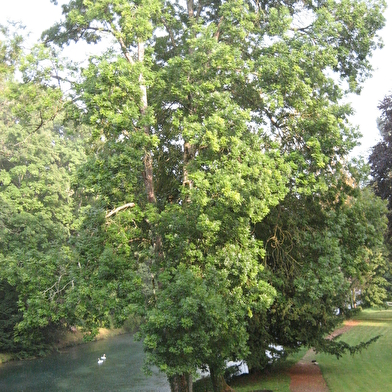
103, 356
100, 361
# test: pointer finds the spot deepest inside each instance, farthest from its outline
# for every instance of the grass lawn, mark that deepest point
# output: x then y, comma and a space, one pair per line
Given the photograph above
279, 381
370, 370
276, 379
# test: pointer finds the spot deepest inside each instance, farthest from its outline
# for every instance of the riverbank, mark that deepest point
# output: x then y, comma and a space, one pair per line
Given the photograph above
75, 337
5, 358
76, 369
70, 338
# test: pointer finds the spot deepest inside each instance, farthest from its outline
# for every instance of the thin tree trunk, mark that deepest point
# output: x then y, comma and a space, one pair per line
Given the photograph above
147, 160
188, 148
148, 169
188, 156
190, 6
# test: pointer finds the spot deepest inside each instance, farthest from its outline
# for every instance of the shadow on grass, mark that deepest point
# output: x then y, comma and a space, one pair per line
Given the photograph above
274, 378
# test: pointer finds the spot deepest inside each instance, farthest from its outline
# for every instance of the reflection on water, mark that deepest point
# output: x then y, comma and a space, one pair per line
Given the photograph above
76, 369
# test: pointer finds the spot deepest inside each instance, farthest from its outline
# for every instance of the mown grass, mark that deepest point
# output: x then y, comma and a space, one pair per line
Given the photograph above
277, 382
369, 370
276, 378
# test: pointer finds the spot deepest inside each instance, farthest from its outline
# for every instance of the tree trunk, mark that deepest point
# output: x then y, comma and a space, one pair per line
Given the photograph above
147, 160
190, 6
181, 383
148, 170
218, 382
188, 148
354, 304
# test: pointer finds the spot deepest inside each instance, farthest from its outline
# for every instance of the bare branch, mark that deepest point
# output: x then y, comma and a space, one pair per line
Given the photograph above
61, 79
35, 130
125, 51
128, 205
53, 286
100, 29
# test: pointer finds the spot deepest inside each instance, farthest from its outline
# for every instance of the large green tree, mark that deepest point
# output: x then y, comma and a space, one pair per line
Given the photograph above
319, 255
37, 159
380, 158
207, 117
380, 163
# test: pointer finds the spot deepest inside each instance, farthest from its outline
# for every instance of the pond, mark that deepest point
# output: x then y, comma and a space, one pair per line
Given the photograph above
76, 369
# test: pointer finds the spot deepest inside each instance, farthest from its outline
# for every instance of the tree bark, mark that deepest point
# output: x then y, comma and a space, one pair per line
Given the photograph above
218, 381
190, 7
123, 207
188, 148
148, 169
181, 383
188, 156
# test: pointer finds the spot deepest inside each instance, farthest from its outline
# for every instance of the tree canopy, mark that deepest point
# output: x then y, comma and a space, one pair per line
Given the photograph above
380, 161
37, 159
216, 198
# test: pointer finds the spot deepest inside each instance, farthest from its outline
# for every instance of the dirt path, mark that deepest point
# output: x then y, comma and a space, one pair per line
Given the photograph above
306, 375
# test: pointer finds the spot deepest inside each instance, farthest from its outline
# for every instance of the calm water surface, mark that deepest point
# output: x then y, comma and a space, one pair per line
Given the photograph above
76, 369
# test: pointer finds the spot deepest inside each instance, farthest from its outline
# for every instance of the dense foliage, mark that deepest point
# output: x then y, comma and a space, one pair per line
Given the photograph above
381, 166
215, 199
380, 158
38, 156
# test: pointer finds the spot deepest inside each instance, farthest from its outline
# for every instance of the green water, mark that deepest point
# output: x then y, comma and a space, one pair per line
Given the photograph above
76, 369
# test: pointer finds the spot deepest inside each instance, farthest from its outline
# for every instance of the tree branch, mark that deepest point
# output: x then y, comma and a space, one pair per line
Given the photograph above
218, 28
128, 205
61, 79
125, 51
35, 130
199, 8
170, 31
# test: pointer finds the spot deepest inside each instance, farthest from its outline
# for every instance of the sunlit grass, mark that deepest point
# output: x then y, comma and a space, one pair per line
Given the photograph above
69, 338
363, 372
369, 370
